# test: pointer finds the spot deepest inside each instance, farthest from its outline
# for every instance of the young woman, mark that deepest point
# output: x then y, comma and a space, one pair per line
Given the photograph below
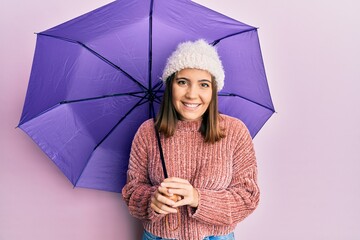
209, 156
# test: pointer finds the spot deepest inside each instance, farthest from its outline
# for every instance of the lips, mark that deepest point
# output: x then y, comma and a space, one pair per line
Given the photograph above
191, 105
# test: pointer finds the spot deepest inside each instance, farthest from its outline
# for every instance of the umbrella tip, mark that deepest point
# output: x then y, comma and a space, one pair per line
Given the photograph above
215, 42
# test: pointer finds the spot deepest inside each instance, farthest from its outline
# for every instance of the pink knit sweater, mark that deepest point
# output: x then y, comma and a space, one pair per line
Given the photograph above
224, 173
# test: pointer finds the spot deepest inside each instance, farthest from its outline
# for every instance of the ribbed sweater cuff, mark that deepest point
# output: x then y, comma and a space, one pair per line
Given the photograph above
206, 211
153, 216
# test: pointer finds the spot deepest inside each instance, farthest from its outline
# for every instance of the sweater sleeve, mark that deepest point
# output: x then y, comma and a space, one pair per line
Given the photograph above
138, 190
233, 204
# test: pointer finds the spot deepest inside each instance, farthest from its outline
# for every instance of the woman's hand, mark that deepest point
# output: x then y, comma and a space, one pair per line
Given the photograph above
189, 195
162, 201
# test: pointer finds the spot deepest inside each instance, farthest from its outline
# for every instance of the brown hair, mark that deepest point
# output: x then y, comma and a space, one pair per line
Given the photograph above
168, 117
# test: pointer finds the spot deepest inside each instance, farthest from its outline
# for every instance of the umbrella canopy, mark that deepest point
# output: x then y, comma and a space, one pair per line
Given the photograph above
96, 78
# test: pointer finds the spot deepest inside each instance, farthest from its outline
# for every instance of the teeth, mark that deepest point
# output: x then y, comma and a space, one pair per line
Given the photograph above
192, 105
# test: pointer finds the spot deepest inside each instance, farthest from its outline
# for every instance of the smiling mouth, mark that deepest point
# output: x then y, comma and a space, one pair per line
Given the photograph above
191, 105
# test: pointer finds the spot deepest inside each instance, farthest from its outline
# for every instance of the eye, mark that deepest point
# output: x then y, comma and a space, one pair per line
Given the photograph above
205, 85
181, 82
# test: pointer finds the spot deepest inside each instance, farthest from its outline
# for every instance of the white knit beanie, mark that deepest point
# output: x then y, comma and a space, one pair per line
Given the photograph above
199, 55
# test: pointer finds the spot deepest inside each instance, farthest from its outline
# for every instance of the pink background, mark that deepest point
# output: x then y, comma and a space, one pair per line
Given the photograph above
308, 153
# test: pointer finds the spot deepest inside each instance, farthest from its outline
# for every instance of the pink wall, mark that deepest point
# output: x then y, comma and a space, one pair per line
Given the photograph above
308, 153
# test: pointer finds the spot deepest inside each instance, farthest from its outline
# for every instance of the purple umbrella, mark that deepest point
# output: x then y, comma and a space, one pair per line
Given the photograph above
96, 78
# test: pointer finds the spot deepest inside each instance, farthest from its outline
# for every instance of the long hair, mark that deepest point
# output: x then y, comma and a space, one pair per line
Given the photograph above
168, 117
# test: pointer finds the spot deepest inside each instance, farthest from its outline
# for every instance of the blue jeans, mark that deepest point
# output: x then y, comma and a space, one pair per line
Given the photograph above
149, 236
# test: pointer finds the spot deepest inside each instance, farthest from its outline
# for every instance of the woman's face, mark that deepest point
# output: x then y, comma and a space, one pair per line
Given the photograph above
191, 93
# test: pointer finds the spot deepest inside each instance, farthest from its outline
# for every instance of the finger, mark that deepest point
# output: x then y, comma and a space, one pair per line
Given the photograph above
175, 197
180, 203
162, 208
163, 199
176, 185
166, 209
158, 210
180, 191
164, 191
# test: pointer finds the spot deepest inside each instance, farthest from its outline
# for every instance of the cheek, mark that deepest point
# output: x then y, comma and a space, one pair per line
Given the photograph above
177, 94
207, 98
175, 97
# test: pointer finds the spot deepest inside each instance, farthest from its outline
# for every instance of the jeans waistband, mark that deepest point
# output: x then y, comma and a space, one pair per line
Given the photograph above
149, 236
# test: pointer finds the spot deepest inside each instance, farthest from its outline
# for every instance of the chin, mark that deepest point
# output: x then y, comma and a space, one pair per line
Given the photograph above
191, 118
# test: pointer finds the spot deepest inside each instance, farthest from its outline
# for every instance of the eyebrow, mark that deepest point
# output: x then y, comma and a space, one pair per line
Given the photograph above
204, 80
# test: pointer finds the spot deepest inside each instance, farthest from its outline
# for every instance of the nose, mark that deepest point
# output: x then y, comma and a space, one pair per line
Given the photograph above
191, 92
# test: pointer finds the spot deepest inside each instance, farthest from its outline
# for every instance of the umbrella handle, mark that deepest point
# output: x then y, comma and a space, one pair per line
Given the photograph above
175, 199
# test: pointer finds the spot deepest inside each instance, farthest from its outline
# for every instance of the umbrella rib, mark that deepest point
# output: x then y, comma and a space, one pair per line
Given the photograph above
150, 47
104, 96
139, 103
96, 54
247, 99
233, 34
133, 94
43, 112
150, 42
158, 85
156, 89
